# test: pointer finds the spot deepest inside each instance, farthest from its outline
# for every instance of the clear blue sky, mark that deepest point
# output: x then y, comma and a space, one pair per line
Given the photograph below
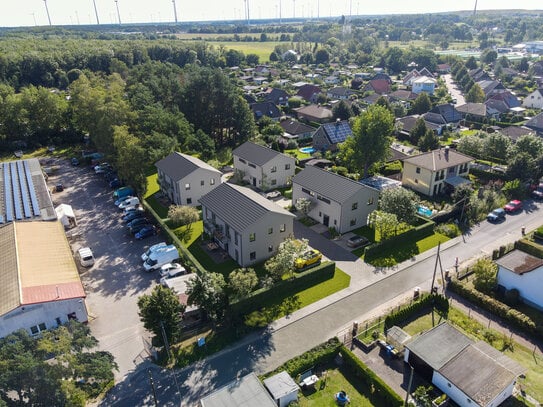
32, 12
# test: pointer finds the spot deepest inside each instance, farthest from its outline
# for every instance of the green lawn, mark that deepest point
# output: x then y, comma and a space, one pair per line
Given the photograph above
298, 153
290, 300
532, 384
262, 49
337, 379
189, 234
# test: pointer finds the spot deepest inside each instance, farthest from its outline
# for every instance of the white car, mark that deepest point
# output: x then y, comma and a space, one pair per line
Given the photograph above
151, 249
170, 270
86, 258
130, 203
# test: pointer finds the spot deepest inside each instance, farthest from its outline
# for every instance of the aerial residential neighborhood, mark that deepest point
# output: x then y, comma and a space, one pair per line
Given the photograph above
274, 211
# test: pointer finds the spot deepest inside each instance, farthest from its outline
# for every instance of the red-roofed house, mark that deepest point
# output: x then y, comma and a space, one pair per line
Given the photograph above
379, 86
40, 286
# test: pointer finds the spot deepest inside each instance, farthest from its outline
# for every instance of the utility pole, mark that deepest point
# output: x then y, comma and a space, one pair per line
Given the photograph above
152, 386
409, 386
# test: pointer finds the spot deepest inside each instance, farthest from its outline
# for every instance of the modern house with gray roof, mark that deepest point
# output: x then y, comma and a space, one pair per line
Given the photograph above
295, 130
337, 201
243, 223
263, 167
470, 373
184, 179
536, 124
436, 172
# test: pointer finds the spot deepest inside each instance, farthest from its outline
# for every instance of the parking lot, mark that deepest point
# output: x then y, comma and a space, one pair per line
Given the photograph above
117, 279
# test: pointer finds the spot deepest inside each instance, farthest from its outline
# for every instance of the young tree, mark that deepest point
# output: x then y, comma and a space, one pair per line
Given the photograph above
485, 275
401, 202
303, 205
371, 139
496, 146
283, 262
242, 282
422, 104
161, 308
384, 223
341, 111
207, 290
429, 141
130, 156
183, 215
521, 166
529, 144
475, 94
418, 131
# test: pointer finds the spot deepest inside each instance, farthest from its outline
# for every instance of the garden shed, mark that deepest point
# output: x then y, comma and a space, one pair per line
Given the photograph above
282, 388
397, 337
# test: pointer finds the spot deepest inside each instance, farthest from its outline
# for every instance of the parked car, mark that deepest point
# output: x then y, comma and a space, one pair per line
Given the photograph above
129, 202
137, 221
171, 270
537, 193
146, 232
58, 188
86, 258
273, 194
357, 241
496, 215
74, 161
311, 257
115, 183
123, 192
152, 249
102, 168
160, 257
135, 214
136, 228
513, 206
121, 200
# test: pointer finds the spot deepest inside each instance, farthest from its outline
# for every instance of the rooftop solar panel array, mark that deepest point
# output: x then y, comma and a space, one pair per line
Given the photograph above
19, 195
338, 132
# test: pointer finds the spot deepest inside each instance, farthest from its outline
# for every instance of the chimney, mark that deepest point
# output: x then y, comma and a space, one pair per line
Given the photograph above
447, 153
338, 120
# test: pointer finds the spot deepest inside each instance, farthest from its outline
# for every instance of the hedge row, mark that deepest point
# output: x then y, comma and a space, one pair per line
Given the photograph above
530, 247
511, 315
189, 261
319, 355
360, 370
429, 301
299, 282
412, 235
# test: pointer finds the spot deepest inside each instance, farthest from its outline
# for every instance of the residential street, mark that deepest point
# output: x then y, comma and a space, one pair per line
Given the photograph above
314, 324
454, 90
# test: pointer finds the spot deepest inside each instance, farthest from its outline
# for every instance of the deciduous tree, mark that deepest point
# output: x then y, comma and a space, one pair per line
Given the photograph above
241, 282
401, 202
181, 215
283, 262
207, 290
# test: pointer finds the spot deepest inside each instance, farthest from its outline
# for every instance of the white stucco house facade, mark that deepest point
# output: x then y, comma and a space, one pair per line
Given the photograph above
337, 201
244, 224
534, 100
185, 179
38, 290
424, 84
524, 272
263, 167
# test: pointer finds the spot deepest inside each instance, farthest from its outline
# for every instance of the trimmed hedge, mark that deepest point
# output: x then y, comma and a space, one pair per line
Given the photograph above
319, 355
429, 301
417, 233
189, 261
511, 315
530, 247
360, 370
299, 282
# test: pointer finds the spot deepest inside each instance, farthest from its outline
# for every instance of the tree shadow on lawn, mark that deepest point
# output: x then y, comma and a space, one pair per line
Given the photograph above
270, 313
398, 253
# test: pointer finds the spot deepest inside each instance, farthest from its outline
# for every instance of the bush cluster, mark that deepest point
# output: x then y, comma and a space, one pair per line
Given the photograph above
429, 301
511, 315
451, 230
389, 397
530, 247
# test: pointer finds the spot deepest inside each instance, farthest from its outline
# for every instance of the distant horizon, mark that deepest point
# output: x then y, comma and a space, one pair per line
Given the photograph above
30, 13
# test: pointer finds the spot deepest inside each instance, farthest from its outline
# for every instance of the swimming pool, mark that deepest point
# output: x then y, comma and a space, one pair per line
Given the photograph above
424, 211
307, 150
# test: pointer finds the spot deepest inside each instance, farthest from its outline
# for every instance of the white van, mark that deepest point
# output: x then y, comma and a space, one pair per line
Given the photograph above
130, 202
86, 257
151, 249
160, 257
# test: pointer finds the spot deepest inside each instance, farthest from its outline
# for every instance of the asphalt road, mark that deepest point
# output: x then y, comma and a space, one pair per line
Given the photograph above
268, 349
454, 90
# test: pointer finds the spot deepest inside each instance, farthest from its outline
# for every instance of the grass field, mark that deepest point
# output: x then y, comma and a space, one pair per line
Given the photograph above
532, 384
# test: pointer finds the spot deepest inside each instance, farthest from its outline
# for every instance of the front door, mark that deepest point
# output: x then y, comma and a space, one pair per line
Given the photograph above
325, 220
254, 182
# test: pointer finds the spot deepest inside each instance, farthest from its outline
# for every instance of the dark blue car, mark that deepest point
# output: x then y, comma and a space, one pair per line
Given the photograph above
147, 231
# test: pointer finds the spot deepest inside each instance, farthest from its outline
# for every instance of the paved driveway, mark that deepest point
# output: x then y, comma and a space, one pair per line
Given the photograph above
116, 281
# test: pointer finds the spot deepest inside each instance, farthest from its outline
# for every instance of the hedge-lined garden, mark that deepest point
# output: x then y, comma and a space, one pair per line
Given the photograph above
438, 302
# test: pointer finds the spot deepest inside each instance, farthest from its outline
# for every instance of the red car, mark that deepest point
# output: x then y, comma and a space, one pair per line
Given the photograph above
513, 206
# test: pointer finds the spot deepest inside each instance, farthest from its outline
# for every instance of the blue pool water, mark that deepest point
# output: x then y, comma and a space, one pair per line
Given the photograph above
424, 211
307, 150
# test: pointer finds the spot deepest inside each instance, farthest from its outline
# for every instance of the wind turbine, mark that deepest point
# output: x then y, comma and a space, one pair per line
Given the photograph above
96, 12
475, 8
293, 8
174, 11
47, 9
118, 14
280, 12
248, 14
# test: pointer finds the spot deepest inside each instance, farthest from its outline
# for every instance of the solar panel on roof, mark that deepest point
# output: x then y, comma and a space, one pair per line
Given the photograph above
338, 132
24, 190
16, 192
8, 196
31, 190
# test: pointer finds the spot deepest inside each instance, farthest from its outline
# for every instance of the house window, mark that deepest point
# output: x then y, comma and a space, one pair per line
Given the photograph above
323, 199
212, 181
282, 228
354, 207
370, 201
241, 160
353, 222
287, 166
335, 222
252, 256
270, 231
274, 169
36, 329
202, 183
306, 191
236, 237
270, 248
252, 165
418, 170
274, 182
187, 186
58, 321
189, 201
416, 181
252, 237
